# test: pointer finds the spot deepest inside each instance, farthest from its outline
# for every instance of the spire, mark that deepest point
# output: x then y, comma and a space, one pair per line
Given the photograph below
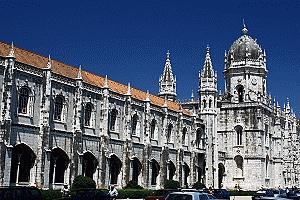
11, 50
288, 107
168, 73
49, 63
207, 68
128, 90
167, 81
105, 85
192, 95
79, 75
244, 30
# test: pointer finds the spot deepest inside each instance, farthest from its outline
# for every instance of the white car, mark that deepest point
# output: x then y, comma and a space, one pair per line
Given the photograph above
190, 196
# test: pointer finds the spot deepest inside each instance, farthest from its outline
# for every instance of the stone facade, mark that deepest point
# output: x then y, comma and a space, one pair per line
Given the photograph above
59, 121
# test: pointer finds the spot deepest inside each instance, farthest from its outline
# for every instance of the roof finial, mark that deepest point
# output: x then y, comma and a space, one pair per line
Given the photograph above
105, 82
49, 63
12, 50
244, 30
147, 96
128, 89
192, 95
79, 75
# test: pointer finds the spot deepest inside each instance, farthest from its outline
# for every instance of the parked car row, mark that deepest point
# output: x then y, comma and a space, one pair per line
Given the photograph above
287, 194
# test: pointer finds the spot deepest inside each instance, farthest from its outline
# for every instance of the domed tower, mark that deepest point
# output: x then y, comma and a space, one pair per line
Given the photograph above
245, 70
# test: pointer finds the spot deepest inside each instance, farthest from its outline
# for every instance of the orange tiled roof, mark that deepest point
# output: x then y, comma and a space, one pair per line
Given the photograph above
62, 69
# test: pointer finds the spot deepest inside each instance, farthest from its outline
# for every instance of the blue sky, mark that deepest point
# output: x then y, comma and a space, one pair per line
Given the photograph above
128, 40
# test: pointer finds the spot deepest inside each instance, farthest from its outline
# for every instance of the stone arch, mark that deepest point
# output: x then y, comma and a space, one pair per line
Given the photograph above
154, 171
59, 161
221, 172
136, 169
240, 93
239, 161
115, 166
186, 174
23, 159
89, 164
171, 170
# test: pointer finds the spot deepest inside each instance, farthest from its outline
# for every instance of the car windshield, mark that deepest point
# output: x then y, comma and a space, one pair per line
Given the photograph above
211, 196
179, 197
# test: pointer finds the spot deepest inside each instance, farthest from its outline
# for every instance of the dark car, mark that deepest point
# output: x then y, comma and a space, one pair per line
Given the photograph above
260, 194
20, 193
221, 194
88, 194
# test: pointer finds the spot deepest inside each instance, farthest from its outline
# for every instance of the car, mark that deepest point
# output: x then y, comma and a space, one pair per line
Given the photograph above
260, 194
88, 194
20, 193
221, 194
189, 196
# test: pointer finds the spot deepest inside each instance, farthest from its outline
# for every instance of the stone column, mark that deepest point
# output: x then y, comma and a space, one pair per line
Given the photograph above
47, 168
8, 157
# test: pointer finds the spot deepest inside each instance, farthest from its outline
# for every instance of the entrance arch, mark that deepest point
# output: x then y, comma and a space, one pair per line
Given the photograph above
89, 164
136, 170
115, 166
186, 174
239, 165
154, 172
221, 172
59, 162
23, 159
171, 171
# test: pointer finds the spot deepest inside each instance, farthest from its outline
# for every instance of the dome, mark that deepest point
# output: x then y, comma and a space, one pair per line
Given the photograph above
245, 47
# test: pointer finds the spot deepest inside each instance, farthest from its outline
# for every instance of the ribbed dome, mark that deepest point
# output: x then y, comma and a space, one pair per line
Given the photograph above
245, 47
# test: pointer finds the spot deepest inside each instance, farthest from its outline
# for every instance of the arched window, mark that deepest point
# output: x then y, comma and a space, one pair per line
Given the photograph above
204, 103
169, 133
239, 135
267, 163
200, 138
240, 91
88, 114
239, 166
134, 123
58, 107
23, 100
152, 129
184, 131
210, 103
113, 118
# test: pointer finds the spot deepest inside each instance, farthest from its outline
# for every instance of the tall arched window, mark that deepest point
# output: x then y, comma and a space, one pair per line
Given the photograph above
204, 103
267, 163
23, 100
134, 122
152, 128
240, 91
184, 131
169, 133
210, 103
88, 114
58, 107
239, 135
113, 118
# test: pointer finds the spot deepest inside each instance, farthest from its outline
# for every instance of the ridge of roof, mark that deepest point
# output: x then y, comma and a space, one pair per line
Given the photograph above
58, 67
